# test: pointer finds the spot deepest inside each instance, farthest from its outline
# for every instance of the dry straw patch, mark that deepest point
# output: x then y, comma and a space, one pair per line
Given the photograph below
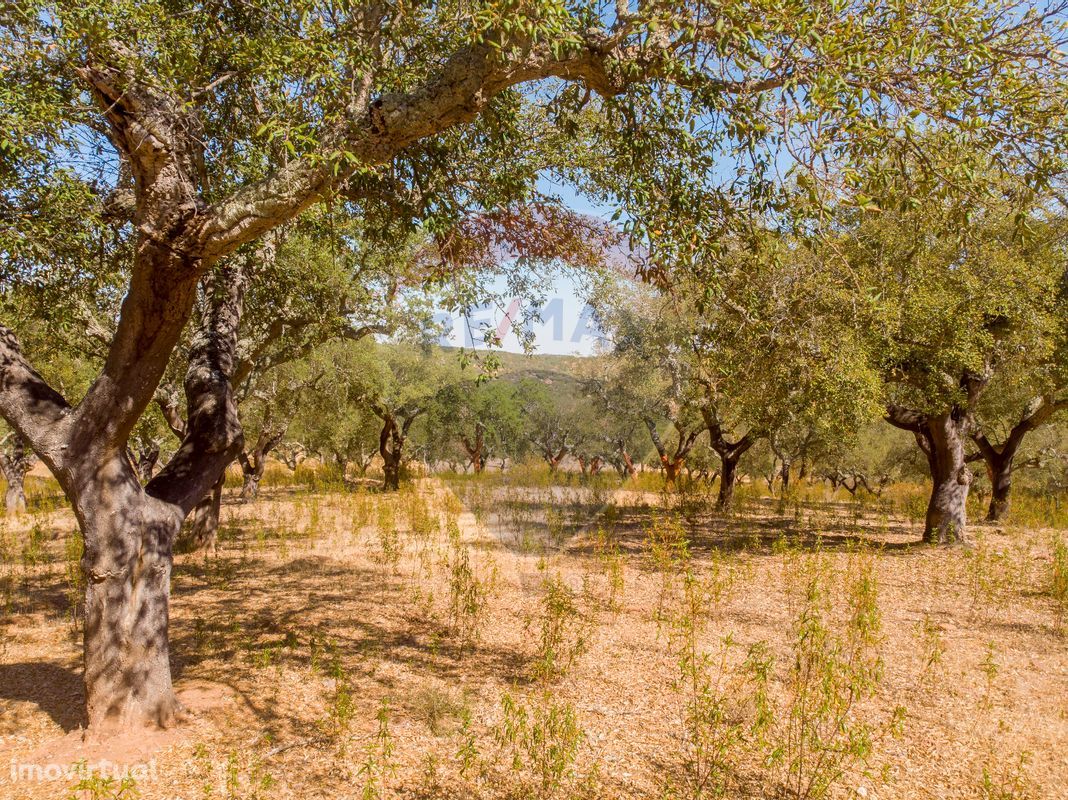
489, 640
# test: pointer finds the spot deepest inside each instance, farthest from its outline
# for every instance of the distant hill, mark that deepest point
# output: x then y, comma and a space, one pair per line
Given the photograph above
541, 367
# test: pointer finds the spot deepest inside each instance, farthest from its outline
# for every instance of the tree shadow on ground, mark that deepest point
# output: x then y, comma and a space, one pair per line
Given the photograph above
56, 690
757, 527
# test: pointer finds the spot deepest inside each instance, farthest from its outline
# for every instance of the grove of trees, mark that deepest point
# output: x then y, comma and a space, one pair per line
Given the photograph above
226, 226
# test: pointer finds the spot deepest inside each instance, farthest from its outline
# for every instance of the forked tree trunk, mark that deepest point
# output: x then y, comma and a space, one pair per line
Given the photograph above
553, 459
475, 451
1000, 460
395, 428
252, 468
250, 482
254, 464
730, 454
672, 462
130, 531
672, 469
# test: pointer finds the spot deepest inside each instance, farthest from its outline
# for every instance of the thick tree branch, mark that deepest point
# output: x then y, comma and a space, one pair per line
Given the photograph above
36, 411
905, 418
213, 431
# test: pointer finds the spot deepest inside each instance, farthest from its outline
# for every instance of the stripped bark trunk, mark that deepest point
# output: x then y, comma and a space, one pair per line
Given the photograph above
476, 449
672, 461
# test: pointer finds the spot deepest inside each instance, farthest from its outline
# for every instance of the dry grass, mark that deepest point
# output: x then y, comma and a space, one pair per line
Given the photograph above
492, 640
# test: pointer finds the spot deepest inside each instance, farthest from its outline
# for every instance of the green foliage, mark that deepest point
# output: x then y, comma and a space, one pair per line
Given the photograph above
825, 730
543, 737
1058, 581
378, 766
468, 593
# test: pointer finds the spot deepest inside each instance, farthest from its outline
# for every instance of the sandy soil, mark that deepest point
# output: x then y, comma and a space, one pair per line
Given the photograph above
325, 614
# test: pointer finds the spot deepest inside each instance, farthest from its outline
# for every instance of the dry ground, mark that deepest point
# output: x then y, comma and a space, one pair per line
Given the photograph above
341, 645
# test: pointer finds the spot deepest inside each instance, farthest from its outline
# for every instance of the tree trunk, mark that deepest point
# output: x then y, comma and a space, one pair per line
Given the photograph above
202, 532
15, 496
395, 428
129, 531
672, 470
943, 444
250, 486
14, 465
999, 469
391, 471
727, 479
730, 453
475, 452
144, 460
127, 566
784, 474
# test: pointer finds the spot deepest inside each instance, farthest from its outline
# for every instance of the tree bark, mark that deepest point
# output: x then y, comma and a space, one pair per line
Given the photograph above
672, 461
395, 427
943, 443
1000, 471
202, 532
941, 437
127, 564
14, 464
15, 497
727, 480
391, 471
1000, 460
